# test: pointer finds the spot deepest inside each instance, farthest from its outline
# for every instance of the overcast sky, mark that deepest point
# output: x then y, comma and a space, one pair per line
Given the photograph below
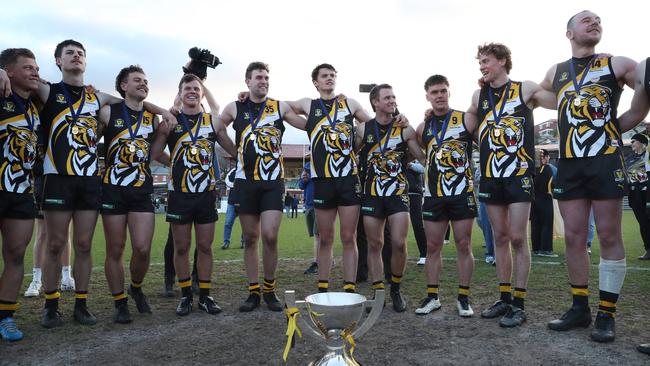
368, 41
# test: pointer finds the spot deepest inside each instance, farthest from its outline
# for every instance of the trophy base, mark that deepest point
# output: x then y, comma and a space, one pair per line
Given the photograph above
335, 359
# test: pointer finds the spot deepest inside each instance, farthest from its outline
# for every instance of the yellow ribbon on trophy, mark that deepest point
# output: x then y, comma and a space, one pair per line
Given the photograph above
292, 328
347, 335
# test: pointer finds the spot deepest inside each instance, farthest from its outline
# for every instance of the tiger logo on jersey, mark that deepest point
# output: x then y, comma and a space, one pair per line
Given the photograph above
129, 166
452, 168
338, 145
82, 139
197, 175
506, 139
388, 179
268, 146
20, 153
588, 117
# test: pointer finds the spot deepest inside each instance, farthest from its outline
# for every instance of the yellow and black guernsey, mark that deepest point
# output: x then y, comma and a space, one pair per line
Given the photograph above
69, 120
330, 127
19, 126
505, 132
383, 160
448, 171
192, 150
587, 99
128, 152
258, 135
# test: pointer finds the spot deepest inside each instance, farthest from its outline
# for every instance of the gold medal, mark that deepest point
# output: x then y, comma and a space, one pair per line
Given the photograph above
497, 133
577, 101
132, 148
439, 155
75, 130
194, 150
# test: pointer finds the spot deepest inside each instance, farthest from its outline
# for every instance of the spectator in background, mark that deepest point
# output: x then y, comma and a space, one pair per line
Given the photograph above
636, 172
541, 212
484, 223
231, 212
288, 201
415, 177
294, 207
307, 185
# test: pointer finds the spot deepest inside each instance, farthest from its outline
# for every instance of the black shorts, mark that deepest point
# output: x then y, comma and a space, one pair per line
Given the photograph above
333, 192
71, 192
597, 178
453, 208
383, 207
20, 206
310, 219
187, 208
255, 197
118, 200
504, 191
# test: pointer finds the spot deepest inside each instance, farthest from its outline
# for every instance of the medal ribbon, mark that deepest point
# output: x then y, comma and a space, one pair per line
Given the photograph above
127, 120
443, 131
497, 117
577, 86
66, 94
256, 120
23, 109
383, 149
193, 137
327, 114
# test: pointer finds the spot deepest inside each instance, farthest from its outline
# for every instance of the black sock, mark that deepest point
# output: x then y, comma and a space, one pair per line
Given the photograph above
432, 291
580, 294
519, 297
80, 298
607, 303
186, 287
505, 289
350, 287
120, 298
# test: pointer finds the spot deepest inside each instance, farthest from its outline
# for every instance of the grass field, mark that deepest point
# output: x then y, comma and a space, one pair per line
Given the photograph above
294, 243
548, 297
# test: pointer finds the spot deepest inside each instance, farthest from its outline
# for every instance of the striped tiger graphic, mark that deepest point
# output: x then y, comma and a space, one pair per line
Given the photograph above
197, 176
20, 152
82, 158
130, 167
388, 178
338, 146
267, 141
505, 139
588, 135
452, 168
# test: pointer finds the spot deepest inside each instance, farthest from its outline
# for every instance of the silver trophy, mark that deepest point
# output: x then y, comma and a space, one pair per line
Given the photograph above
336, 318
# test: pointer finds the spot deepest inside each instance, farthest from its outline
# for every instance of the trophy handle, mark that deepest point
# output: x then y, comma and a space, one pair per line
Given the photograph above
290, 301
377, 306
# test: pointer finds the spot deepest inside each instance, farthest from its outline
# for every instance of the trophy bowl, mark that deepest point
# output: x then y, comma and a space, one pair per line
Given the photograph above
335, 310
338, 318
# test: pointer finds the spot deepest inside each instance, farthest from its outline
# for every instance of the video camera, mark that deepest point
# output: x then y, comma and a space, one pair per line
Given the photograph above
201, 59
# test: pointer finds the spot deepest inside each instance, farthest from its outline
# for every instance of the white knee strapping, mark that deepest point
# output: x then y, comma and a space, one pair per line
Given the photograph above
611, 274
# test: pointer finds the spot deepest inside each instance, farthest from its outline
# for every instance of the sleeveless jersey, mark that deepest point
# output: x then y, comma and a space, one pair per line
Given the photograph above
507, 147
127, 160
332, 153
384, 172
18, 144
259, 148
448, 171
193, 165
71, 143
587, 118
